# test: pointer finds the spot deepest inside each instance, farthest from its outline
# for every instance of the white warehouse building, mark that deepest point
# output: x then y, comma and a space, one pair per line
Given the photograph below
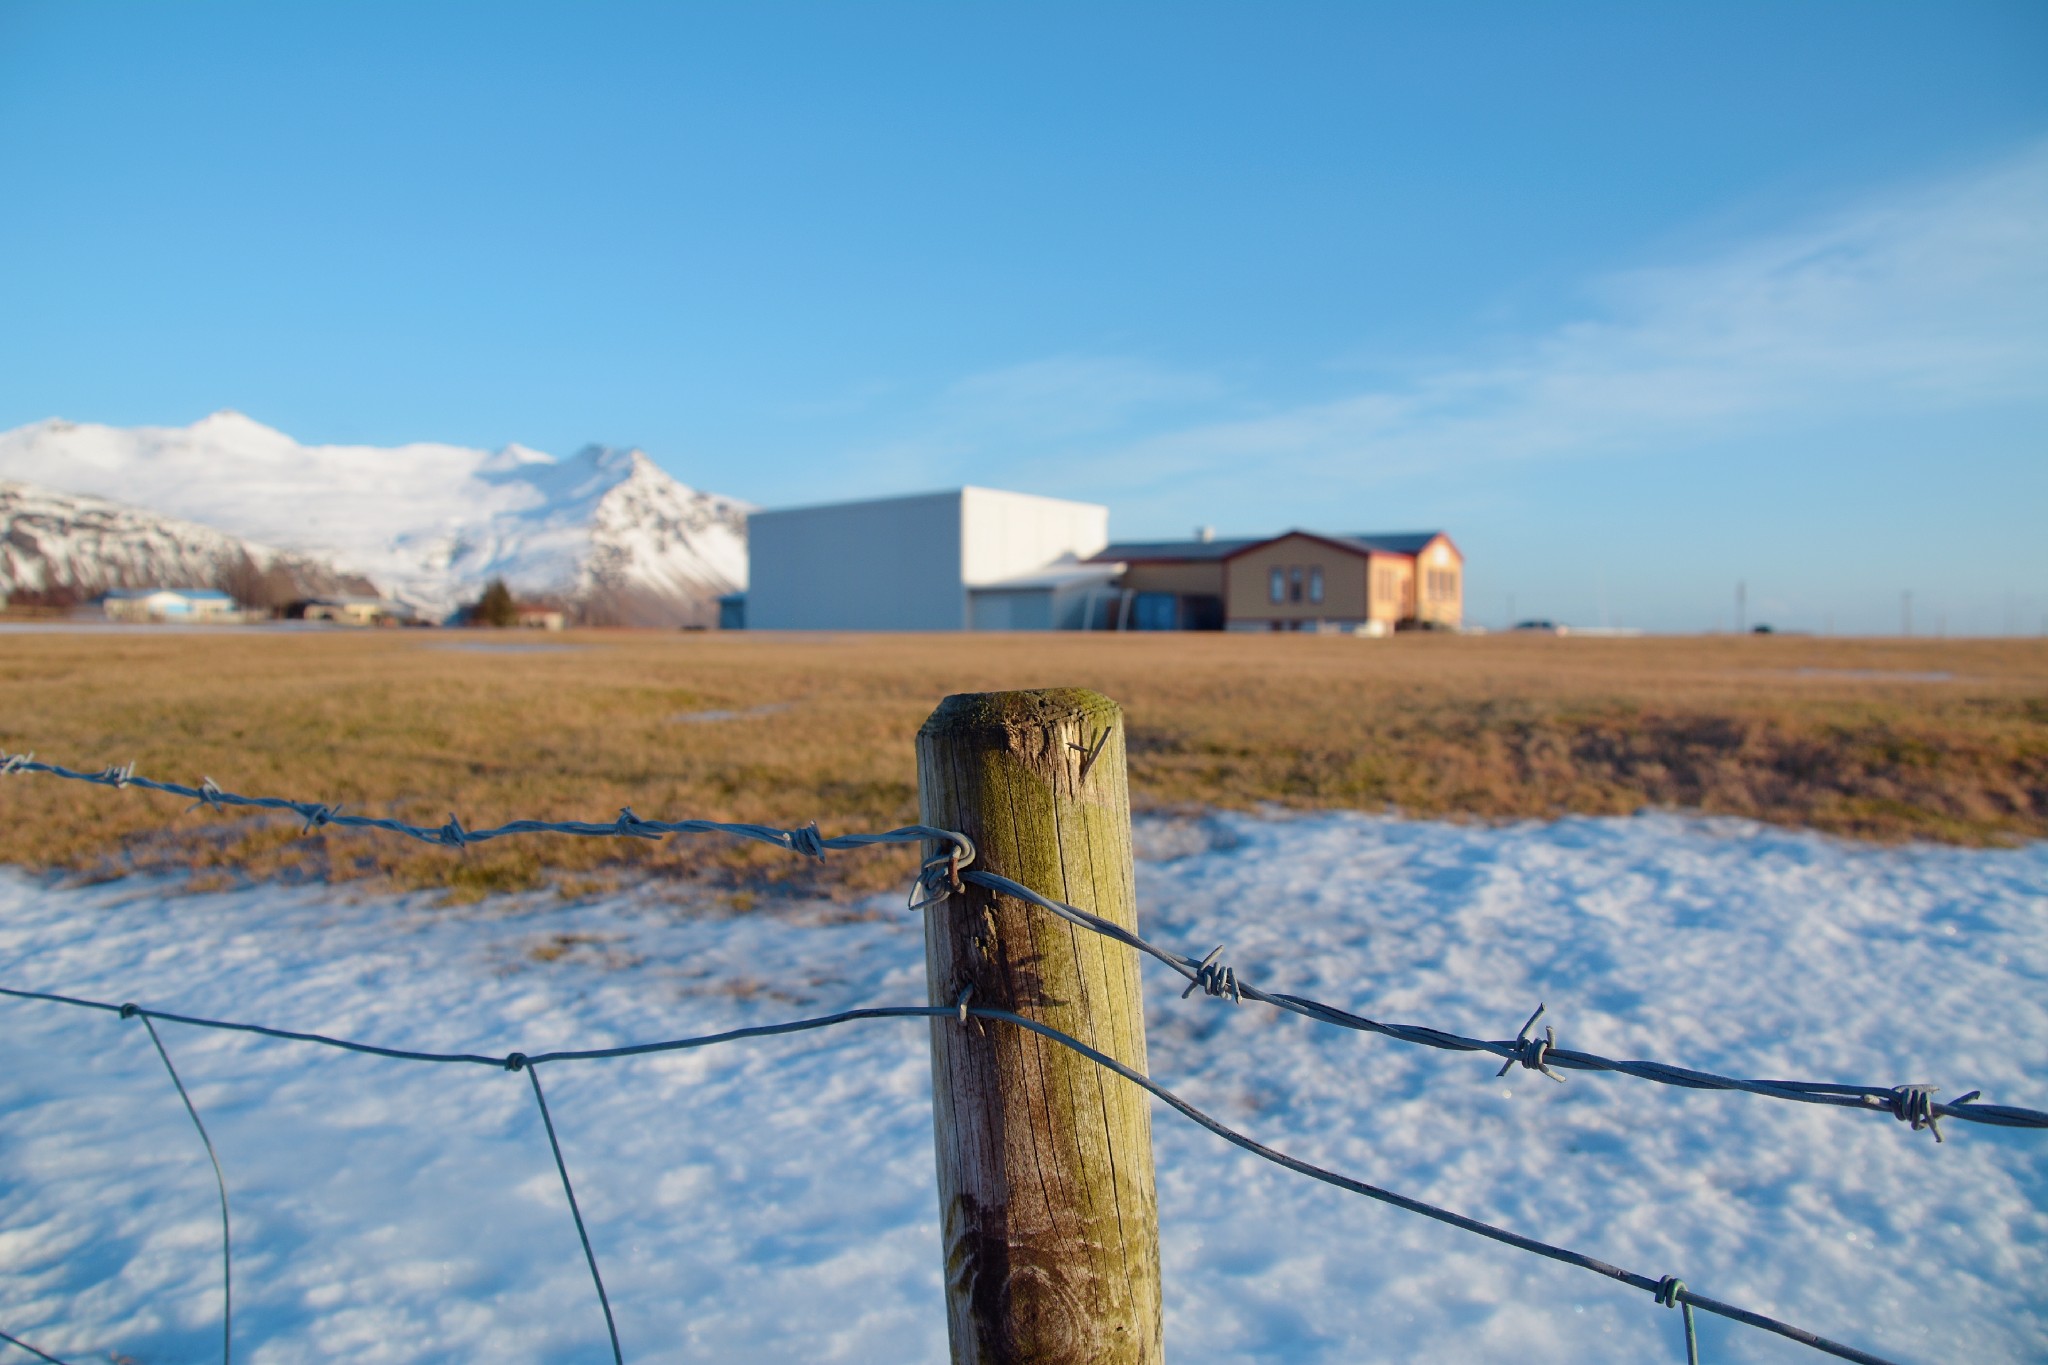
967, 558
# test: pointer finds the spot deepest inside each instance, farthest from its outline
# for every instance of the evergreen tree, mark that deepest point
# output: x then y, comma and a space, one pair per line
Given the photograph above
496, 608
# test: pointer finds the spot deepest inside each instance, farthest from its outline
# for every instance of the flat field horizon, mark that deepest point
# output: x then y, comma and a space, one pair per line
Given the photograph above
1943, 740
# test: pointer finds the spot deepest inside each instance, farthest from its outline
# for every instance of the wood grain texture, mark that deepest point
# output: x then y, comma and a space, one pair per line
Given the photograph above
1046, 1200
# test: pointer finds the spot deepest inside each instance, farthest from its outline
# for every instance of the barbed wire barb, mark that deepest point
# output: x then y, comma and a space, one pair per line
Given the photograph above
1531, 1052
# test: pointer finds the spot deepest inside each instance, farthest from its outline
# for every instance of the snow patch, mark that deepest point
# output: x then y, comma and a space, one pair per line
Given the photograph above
772, 1200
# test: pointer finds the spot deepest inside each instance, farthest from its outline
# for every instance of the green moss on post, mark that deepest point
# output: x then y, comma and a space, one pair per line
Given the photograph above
1050, 1222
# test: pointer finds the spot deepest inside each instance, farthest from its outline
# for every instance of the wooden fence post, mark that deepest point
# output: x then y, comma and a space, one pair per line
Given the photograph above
1046, 1203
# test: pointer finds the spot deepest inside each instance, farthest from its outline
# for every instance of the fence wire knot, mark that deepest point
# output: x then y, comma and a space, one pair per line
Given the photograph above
130, 1010
807, 842
452, 833
966, 994
1668, 1290
15, 763
1532, 1052
210, 794
118, 775
1214, 978
515, 1061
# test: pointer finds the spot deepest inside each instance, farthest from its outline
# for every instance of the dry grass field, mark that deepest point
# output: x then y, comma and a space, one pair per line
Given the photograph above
1933, 739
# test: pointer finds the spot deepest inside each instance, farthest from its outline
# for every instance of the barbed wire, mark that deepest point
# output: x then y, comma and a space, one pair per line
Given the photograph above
806, 841
1912, 1103
1667, 1290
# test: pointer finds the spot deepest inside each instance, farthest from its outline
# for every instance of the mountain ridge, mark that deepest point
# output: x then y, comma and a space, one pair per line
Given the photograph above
606, 530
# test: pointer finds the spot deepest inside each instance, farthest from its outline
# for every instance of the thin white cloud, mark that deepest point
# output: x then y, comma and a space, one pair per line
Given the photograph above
1930, 297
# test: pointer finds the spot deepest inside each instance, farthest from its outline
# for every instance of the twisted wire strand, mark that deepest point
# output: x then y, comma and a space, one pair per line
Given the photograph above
806, 841
1911, 1103
1666, 1290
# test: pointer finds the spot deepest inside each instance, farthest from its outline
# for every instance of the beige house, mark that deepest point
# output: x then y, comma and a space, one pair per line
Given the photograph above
1300, 580
354, 611
534, 616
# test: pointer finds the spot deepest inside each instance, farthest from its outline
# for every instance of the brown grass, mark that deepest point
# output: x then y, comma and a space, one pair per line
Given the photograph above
1834, 734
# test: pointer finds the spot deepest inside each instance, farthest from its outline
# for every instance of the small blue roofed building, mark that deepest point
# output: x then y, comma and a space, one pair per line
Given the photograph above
169, 605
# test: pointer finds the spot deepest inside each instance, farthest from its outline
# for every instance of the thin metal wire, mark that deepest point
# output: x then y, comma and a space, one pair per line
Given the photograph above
227, 1283
32, 1350
1913, 1104
1666, 1289
554, 1144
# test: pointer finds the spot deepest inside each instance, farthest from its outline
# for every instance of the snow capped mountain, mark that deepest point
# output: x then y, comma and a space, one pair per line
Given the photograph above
65, 544
430, 524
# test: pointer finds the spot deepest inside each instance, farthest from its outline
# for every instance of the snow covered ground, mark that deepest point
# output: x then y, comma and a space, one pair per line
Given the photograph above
772, 1200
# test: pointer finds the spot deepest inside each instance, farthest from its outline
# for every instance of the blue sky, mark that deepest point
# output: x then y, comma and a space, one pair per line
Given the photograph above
1638, 301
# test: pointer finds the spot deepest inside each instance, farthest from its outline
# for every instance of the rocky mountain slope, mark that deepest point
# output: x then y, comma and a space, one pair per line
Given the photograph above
56, 547
606, 531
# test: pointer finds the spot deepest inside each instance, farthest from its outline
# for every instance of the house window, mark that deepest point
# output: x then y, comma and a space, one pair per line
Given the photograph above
1315, 585
1294, 585
1277, 587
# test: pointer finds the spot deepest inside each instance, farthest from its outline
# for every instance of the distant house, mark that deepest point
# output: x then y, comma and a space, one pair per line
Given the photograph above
178, 606
1299, 580
352, 611
533, 616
